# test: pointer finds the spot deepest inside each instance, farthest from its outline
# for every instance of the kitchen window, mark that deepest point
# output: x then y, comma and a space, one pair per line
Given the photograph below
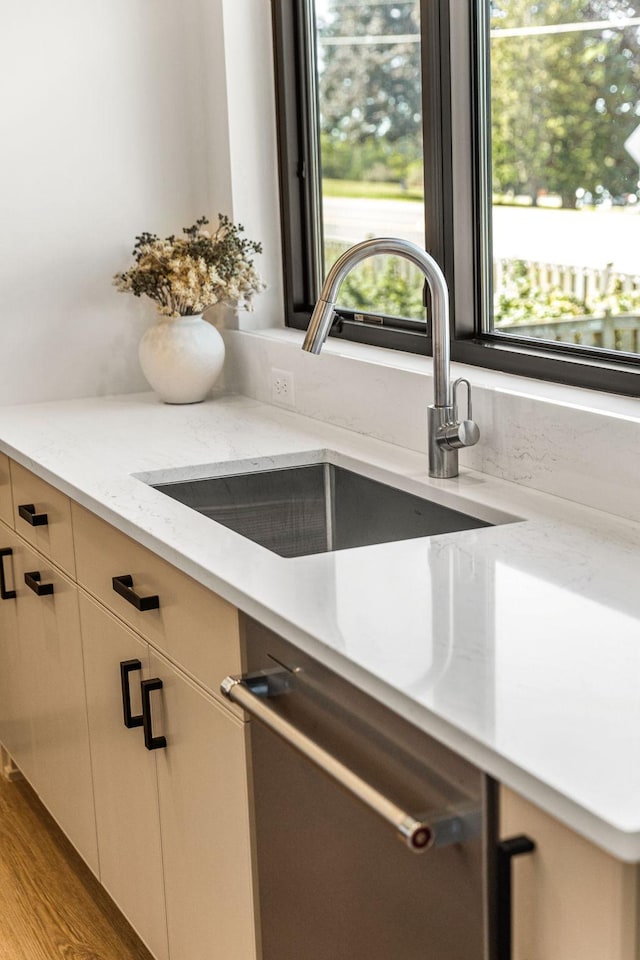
505, 138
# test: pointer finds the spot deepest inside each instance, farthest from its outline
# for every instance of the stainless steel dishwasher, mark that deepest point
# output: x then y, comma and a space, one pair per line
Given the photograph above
372, 840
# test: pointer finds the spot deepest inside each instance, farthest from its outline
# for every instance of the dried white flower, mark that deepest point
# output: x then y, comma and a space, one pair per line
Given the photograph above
185, 275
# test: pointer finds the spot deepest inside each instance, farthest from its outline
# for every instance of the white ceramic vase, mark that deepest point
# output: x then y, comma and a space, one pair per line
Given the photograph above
181, 358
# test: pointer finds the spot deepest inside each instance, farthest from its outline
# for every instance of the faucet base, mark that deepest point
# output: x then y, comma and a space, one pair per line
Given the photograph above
443, 459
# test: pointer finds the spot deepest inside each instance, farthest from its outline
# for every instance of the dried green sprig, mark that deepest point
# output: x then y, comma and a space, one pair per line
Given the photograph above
184, 275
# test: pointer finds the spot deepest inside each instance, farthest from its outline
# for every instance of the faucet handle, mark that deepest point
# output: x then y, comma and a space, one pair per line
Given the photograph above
455, 397
460, 433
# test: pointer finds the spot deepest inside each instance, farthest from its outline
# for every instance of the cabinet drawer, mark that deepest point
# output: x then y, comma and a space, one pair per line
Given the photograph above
192, 625
42, 516
6, 508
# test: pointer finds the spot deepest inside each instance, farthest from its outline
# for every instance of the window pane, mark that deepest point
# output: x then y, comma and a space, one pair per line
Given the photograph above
565, 131
369, 93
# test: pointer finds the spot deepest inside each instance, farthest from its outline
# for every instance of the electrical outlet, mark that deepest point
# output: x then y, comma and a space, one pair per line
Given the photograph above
282, 387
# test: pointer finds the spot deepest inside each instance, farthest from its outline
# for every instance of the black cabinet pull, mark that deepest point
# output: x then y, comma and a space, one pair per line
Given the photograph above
146, 686
507, 850
124, 587
127, 667
28, 512
4, 593
33, 579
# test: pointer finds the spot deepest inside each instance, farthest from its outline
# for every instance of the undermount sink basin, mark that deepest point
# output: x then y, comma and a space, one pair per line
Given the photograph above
315, 508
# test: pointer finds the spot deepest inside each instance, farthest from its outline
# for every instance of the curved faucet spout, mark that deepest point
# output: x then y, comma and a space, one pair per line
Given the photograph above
446, 433
322, 315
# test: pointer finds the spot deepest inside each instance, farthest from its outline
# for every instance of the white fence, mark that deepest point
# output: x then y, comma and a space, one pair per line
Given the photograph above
619, 332
590, 287
587, 284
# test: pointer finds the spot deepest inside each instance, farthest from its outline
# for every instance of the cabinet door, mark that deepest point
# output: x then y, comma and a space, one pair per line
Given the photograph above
124, 772
570, 899
204, 819
16, 666
49, 628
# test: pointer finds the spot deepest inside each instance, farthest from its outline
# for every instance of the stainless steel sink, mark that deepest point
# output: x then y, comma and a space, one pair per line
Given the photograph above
315, 508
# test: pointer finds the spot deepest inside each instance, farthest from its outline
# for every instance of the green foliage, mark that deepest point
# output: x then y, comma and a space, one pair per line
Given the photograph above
370, 93
618, 300
385, 285
372, 158
415, 175
370, 190
370, 89
563, 103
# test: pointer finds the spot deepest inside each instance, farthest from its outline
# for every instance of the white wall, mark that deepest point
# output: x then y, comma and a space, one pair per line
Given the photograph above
114, 120
253, 146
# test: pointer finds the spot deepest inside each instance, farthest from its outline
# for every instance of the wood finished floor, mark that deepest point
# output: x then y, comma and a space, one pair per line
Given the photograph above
51, 905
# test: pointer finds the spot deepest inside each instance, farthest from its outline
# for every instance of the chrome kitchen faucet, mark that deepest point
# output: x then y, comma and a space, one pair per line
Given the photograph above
446, 432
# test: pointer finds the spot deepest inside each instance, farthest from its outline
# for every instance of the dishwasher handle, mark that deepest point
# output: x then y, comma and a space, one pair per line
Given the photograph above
418, 834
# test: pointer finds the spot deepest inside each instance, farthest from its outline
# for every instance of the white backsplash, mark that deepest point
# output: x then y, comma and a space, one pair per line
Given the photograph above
572, 443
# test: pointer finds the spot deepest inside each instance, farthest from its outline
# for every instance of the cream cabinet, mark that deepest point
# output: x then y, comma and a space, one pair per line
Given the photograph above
174, 794
181, 782
202, 788
16, 660
124, 774
88, 615
192, 625
47, 734
570, 899
42, 517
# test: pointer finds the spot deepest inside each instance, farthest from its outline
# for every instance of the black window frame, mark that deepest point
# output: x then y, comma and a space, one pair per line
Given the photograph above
456, 154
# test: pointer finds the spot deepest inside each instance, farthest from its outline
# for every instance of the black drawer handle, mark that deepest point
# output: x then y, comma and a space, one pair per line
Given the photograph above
4, 593
33, 579
124, 587
28, 512
146, 686
507, 850
127, 667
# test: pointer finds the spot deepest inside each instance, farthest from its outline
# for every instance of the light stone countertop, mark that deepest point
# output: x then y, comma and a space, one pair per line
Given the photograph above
517, 645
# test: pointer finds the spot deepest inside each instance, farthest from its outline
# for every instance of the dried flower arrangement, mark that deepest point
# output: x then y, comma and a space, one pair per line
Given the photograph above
184, 275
